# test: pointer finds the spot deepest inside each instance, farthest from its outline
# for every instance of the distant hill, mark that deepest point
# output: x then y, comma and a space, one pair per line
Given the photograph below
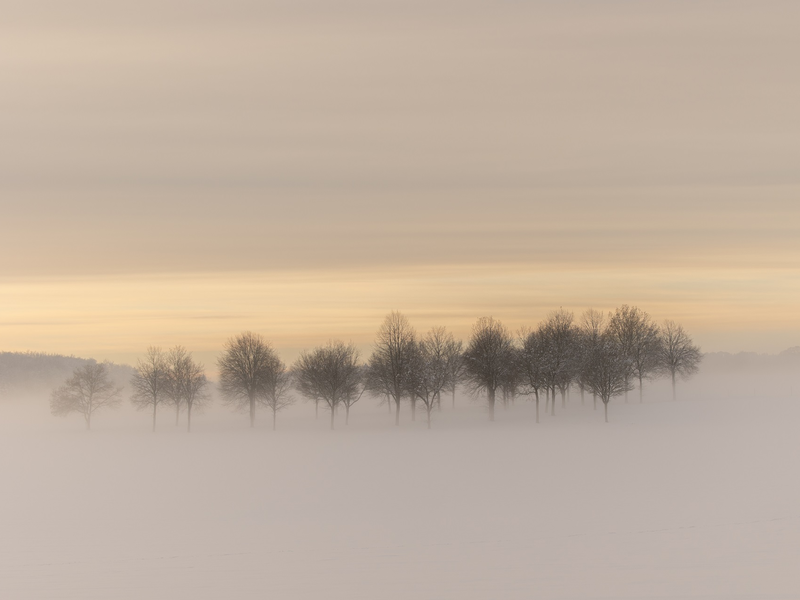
37, 372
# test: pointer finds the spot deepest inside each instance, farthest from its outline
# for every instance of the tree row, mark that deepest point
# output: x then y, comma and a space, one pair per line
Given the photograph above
606, 356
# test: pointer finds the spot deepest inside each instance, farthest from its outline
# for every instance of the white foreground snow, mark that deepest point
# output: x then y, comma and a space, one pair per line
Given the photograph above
691, 499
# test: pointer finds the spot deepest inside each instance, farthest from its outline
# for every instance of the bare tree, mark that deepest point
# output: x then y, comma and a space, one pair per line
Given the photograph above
348, 400
176, 361
276, 394
593, 324
679, 357
454, 352
187, 383
87, 391
646, 352
607, 370
150, 381
531, 359
332, 373
639, 339
430, 372
247, 366
488, 358
196, 390
559, 336
512, 379
376, 383
392, 359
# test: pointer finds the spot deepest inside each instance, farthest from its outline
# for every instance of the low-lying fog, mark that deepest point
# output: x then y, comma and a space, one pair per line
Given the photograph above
697, 498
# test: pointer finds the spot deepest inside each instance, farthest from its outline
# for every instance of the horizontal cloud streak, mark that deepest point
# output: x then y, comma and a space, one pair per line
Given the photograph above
86, 234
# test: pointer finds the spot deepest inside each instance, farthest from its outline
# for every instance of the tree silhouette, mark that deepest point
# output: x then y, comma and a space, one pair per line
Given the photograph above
87, 391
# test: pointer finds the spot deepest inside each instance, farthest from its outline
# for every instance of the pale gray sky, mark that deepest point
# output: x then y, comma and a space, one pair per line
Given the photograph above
205, 138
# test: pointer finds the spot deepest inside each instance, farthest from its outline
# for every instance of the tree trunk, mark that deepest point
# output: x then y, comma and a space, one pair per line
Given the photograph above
537, 407
177, 412
413, 408
491, 405
454, 397
188, 417
346, 414
594, 399
397, 412
155, 404
673, 386
641, 395
274, 418
252, 411
88, 418
605, 405
553, 402
582, 395
563, 399
316, 408
333, 413
439, 401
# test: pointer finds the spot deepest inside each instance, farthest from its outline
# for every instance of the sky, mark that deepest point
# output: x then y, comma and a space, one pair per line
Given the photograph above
176, 172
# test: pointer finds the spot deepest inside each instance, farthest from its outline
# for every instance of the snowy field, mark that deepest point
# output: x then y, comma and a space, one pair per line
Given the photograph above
691, 499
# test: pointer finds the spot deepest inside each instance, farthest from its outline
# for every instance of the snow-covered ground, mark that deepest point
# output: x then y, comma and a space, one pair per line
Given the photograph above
688, 499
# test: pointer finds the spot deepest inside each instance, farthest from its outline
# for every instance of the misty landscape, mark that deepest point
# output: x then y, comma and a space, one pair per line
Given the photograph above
695, 492
399, 299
